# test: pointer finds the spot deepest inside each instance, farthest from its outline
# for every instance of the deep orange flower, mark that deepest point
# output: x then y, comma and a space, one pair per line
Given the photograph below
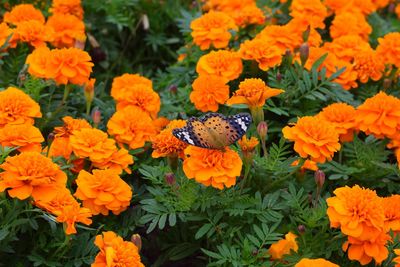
212, 167
381, 3
131, 126
313, 137
397, 259
121, 85
67, 210
282, 37
16, 107
248, 145
391, 207
38, 61
307, 165
347, 47
31, 174
5, 33
23, 12
24, 136
342, 117
165, 144
212, 28
311, 12
350, 23
389, 48
67, 30
33, 32
72, 7
369, 65
283, 246
266, 55
358, 212
160, 123
296, 29
119, 160
397, 11
253, 92
339, 6
379, 115
114, 251
315, 263
209, 91
103, 191
222, 63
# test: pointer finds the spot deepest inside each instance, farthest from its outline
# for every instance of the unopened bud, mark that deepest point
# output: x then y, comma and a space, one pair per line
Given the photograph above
262, 129
304, 53
301, 228
319, 177
50, 138
173, 89
392, 8
137, 240
387, 83
279, 76
306, 33
170, 178
89, 90
96, 116
254, 252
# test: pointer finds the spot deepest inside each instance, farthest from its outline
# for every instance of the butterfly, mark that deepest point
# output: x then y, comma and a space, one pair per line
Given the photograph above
214, 130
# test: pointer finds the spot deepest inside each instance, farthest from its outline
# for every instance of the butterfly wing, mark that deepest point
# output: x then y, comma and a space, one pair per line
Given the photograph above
194, 133
240, 122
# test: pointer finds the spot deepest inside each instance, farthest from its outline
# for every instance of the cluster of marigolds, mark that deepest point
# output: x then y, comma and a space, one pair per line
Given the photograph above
100, 158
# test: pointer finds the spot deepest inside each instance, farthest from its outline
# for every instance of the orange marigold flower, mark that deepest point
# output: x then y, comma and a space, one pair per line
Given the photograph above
212, 28
266, 55
5, 33
389, 48
381, 3
397, 259
123, 84
70, 66
165, 144
347, 47
118, 161
31, 174
67, 210
379, 115
160, 123
114, 251
296, 28
37, 61
23, 12
311, 12
283, 246
67, 30
315, 263
364, 251
249, 14
131, 126
391, 207
33, 32
339, 6
24, 136
282, 37
209, 91
103, 191
397, 11
307, 165
223, 63
313, 137
16, 107
358, 212
350, 23
253, 92
212, 167
342, 117
72, 7
369, 65
248, 145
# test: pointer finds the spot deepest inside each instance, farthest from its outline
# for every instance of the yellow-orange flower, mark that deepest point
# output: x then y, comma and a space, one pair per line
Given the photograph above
358, 212
37, 61
253, 92
342, 117
379, 115
222, 63
389, 48
391, 207
266, 55
350, 23
212, 28
16, 107
248, 145
315, 263
123, 84
165, 144
23, 12
67, 29
249, 14
313, 137
311, 12
339, 6
209, 91
346, 47
24, 136
369, 65
72, 7
5, 33
307, 165
282, 37
33, 32
283, 246
397, 259
114, 251
103, 191
119, 160
397, 11
212, 167
31, 174
131, 126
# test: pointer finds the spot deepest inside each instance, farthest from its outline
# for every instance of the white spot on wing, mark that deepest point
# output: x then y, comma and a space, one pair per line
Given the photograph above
186, 136
242, 124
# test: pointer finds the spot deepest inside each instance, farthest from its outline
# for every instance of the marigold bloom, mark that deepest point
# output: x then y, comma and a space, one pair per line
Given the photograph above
209, 91
212, 28
160, 123
389, 48
114, 251
212, 167
131, 126
248, 145
339, 6
313, 137
70, 66
311, 12
315, 263
282, 37
67, 30
24, 136
23, 12
249, 14
121, 85
397, 259
350, 23
283, 246
347, 47
391, 207
342, 117
165, 144
379, 115
369, 65
33, 32
222, 63
397, 11
72, 7
31, 174
119, 160
103, 191
16, 107
253, 92
37, 61
307, 165
5, 33
260, 50
358, 212
381, 3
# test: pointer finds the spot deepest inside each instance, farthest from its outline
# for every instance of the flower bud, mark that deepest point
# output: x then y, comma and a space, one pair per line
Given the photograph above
145, 22
387, 83
279, 76
50, 138
306, 34
173, 89
392, 8
137, 240
262, 130
319, 177
89, 90
96, 116
170, 178
304, 53
301, 228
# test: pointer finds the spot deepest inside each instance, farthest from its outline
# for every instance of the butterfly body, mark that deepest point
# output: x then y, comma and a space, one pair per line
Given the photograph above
214, 130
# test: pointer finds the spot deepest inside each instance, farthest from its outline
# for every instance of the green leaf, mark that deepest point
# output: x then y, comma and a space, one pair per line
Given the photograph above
203, 230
